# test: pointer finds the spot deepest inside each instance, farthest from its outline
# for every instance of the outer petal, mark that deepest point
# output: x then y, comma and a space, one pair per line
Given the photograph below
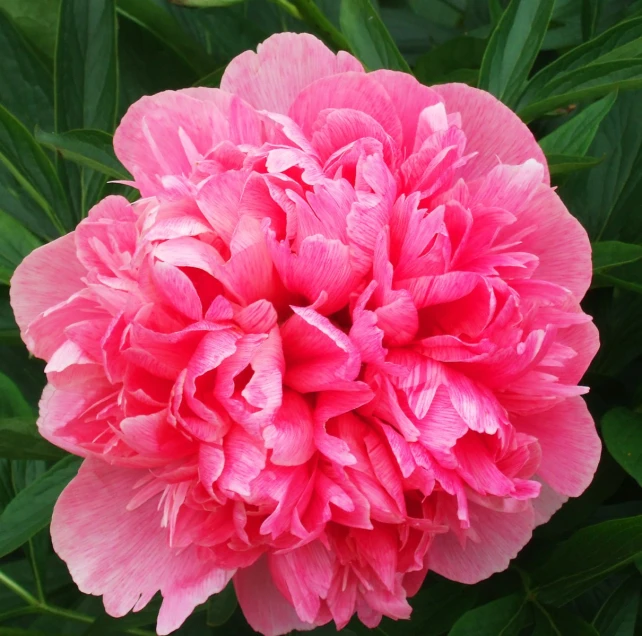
565, 261
264, 607
570, 445
48, 276
499, 537
492, 130
269, 80
123, 554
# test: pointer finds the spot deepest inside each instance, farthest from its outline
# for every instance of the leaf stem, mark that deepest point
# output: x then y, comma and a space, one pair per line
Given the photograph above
36, 571
36, 606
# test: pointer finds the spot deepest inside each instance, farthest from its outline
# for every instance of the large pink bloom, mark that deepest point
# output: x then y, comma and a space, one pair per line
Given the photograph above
334, 346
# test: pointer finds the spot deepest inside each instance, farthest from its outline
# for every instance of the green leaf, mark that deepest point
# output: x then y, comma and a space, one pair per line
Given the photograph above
12, 404
86, 83
158, 21
19, 439
32, 170
26, 89
564, 164
221, 606
441, 63
626, 277
513, 47
37, 20
622, 430
504, 617
588, 82
610, 45
15, 243
590, 9
90, 148
587, 557
368, 37
618, 615
206, 3
607, 254
575, 136
607, 199
31, 509
86, 66
551, 621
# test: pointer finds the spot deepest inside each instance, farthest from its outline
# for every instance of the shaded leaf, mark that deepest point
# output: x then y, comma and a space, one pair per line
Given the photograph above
551, 621
607, 254
513, 47
86, 66
587, 557
368, 37
221, 606
26, 89
91, 148
33, 171
576, 135
31, 509
606, 199
503, 617
607, 46
19, 439
584, 83
15, 243
442, 63
564, 164
618, 615
622, 430
37, 19
589, 13
167, 29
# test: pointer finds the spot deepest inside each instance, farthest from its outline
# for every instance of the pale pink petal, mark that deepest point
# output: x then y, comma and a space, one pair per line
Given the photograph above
492, 130
51, 274
494, 539
347, 90
570, 445
124, 555
268, 80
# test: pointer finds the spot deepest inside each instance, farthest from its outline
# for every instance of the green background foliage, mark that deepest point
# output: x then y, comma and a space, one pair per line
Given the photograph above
572, 69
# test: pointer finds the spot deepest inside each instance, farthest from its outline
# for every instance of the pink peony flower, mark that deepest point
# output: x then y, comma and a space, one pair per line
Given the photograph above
335, 345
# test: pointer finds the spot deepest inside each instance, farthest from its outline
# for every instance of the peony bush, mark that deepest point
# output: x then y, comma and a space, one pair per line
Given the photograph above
319, 342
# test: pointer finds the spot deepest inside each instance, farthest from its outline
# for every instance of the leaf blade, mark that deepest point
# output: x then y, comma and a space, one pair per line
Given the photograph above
30, 511
513, 47
368, 37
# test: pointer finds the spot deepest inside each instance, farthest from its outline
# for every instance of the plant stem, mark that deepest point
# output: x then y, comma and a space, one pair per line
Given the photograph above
36, 606
314, 16
18, 590
36, 571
